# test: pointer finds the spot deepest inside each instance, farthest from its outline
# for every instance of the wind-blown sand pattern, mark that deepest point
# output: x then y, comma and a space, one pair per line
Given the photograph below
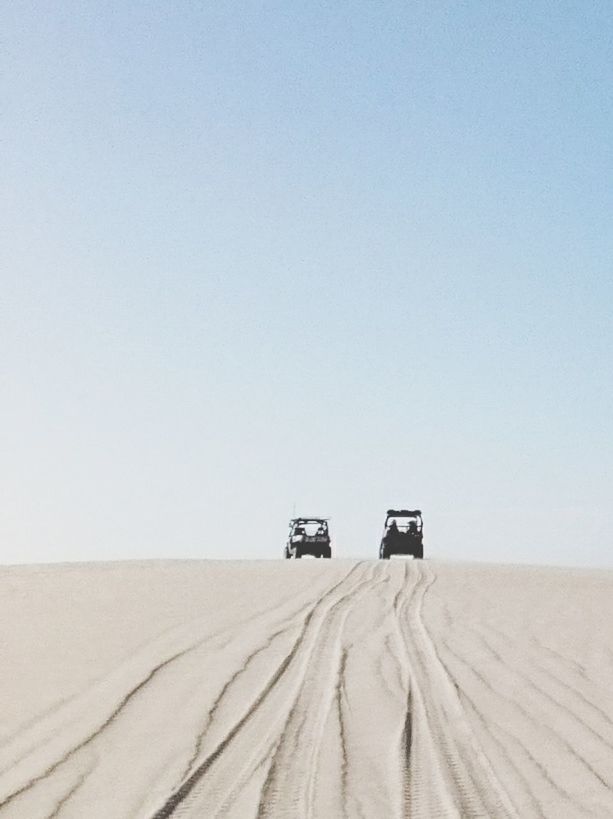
305, 689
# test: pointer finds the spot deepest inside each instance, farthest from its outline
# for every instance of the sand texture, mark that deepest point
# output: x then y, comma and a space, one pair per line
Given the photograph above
305, 689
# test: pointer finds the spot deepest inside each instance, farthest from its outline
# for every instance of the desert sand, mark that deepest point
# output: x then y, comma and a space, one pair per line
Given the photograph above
305, 689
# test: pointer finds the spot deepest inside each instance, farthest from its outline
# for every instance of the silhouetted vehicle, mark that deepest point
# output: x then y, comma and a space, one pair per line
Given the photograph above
403, 534
308, 536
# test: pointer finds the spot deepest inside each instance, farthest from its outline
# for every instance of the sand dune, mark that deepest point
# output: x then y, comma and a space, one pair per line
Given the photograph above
310, 689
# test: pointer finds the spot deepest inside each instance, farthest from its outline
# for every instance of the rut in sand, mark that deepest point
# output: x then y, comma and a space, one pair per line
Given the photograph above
400, 689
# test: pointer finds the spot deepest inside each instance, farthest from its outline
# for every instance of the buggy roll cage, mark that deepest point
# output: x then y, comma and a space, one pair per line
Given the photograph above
404, 513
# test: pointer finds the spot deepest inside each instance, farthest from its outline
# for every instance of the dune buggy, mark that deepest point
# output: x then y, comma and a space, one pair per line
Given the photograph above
308, 536
403, 534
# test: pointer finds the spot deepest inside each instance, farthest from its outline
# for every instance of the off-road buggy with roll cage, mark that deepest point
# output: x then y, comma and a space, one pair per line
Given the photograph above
403, 534
308, 536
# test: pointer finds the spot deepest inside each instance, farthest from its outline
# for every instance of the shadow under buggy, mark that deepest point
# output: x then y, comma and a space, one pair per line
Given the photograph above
308, 536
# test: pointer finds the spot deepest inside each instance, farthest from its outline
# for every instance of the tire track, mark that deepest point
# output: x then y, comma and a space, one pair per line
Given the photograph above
224, 690
91, 737
186, 788
367, 696
330, 631
534, 762
69, 709
464, 779
71, 792
49, 745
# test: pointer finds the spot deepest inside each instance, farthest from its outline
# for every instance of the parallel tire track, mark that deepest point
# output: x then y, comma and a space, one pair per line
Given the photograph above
380, 693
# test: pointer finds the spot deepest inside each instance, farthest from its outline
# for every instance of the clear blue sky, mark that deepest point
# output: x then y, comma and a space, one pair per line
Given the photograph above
339, 255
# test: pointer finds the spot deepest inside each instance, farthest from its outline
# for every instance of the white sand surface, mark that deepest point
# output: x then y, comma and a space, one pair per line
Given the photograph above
305, 689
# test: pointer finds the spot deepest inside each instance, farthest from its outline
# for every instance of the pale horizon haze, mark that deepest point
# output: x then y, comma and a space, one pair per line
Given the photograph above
262, 257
